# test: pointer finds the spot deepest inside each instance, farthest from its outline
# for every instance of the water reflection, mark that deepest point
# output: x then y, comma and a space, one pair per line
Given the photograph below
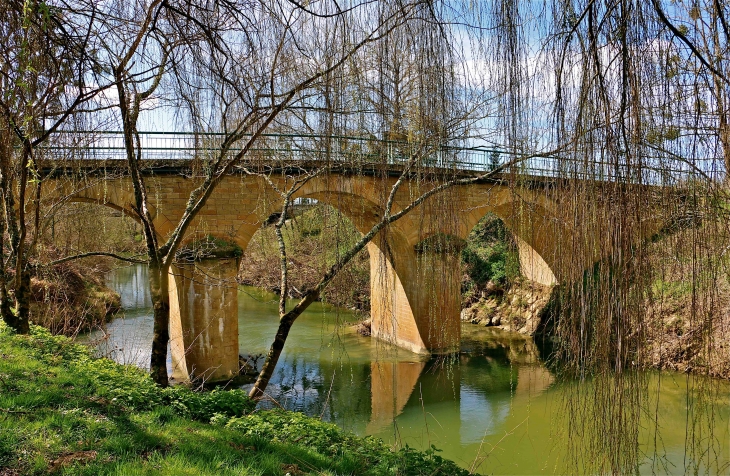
494, 408
128, 338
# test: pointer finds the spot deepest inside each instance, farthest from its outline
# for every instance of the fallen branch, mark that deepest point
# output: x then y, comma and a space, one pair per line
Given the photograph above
93, 253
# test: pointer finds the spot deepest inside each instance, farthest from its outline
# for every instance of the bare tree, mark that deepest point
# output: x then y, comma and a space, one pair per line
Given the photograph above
45, 69
252, 61
412, 102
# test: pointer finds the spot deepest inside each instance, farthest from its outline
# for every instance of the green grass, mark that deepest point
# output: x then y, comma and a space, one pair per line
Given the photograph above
672, 289
63, 412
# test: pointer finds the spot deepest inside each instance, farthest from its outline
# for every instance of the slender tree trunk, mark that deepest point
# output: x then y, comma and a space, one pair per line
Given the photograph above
6, 312
272, 358
159, 283
18, 237
724, 134
22, 302
284, 289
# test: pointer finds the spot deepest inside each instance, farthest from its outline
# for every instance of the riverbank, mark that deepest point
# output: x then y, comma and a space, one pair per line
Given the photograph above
517, 308
72, 297
63, 412
69, 300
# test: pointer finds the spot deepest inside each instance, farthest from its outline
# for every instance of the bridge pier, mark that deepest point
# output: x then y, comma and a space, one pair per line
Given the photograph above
416, 305
204, 319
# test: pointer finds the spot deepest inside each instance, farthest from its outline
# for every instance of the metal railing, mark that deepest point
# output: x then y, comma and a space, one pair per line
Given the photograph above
364, 151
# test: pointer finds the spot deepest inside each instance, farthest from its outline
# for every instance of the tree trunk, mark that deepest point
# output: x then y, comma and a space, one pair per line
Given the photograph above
22, 303
5, 309
6, 312
158, 281
8, 224
272, 358
724, 135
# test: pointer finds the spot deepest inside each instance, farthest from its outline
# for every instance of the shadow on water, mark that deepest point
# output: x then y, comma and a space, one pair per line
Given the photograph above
495, 407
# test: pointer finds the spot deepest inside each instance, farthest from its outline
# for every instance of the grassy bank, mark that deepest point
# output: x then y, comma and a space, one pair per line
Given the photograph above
63, 412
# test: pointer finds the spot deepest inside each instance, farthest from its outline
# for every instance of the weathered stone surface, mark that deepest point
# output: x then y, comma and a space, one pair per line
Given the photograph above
204, 320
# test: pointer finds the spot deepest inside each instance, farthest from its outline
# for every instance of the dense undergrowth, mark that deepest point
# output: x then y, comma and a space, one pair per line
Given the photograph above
64, 412
71, 297
489, 260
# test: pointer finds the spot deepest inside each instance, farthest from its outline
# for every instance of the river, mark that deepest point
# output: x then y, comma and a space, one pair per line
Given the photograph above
495, 408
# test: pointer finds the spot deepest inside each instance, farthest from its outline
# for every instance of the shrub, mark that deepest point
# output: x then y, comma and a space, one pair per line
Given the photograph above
490, 254
374, 455
203, 406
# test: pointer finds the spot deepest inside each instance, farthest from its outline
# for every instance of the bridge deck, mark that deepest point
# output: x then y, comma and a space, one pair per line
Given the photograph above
163, 152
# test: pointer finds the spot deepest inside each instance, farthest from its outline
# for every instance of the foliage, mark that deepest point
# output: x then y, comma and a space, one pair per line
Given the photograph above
489, 254
327, 439
203, 406
62, 411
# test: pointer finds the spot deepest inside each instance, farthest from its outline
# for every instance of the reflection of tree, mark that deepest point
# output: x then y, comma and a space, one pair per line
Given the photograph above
329, 388
487, 375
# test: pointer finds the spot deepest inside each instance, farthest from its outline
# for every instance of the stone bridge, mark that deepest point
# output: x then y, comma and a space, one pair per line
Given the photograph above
415, 267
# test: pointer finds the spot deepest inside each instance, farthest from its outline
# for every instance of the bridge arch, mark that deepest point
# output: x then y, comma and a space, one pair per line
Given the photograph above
535, 225
391, 310
119, 197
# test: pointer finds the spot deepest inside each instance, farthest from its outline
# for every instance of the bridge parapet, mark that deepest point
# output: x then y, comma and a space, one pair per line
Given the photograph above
361, 151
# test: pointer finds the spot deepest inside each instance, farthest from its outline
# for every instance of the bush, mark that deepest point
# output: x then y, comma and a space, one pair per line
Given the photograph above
490, 254
375, 457
203, 406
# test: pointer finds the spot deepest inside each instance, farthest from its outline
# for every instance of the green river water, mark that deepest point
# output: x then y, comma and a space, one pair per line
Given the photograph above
495, 408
